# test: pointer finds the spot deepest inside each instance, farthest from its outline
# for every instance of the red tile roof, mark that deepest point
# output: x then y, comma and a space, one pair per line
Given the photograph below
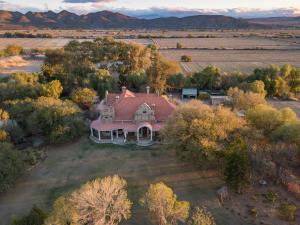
129, 103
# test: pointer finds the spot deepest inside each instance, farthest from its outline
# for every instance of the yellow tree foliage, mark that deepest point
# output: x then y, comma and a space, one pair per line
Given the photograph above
163, 206
198, 131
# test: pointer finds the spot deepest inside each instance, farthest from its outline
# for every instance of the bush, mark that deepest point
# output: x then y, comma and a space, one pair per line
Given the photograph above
288, 211
11, 165
201, 217
36, 216
12, 50
186, 58
204, 96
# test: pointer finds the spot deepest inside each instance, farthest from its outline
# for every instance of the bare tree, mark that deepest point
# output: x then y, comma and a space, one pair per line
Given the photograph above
163, 207
102, 202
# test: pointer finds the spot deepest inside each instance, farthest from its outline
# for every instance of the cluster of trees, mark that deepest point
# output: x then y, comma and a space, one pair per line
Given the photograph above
11, 50
105, 202
18, 34
218, 136
273, 81
93, 64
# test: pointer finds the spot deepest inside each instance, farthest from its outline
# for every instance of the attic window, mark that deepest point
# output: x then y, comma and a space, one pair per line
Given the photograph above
144, 112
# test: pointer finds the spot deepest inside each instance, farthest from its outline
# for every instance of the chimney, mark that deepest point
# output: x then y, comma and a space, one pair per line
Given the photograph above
148, 90
157, 92
123, 89
106, 94
117, 98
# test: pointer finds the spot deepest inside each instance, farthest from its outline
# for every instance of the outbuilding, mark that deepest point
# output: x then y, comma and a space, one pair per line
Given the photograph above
189, 93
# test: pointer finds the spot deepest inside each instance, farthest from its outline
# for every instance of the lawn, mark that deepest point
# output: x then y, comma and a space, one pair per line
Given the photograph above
69, 166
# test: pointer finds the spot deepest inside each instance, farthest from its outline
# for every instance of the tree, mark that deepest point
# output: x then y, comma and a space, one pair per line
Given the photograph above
241, 100
208, 78
176, 81
52, 89
102, 81
258, 87
163, 207
36, 216
199, 132
12, 50
4, 116
288, 132
11, 165
282, 89
160, 69
102, 202
136, 82
84, 97
186, 58
201, 217
179, 45
63, 212
268, 119
237, 165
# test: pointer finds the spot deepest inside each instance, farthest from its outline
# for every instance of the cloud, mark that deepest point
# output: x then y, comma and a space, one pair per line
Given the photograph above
155, 12
15, 7
88, 1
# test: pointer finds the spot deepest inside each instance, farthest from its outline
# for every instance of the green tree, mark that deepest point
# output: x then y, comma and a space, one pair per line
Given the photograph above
102, 81
163, 207
176, 81
208, 78
11, 165
237, 165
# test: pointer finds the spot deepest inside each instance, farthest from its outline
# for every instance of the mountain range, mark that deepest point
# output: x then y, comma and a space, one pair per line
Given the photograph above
108, 19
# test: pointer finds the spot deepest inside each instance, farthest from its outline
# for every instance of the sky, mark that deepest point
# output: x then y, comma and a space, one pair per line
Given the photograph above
157, 8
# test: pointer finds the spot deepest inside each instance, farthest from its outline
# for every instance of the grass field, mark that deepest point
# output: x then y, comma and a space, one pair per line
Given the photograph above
69, 166
227, 43
233, 60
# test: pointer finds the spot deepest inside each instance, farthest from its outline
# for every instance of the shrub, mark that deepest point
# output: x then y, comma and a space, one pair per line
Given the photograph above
36, 216
204, 96
288, 211
186, 58
11, 165
201, 217
179, 45
12, 50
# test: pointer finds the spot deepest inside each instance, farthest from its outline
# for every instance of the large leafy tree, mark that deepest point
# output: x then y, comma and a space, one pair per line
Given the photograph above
209, 78
199, 132
163, 207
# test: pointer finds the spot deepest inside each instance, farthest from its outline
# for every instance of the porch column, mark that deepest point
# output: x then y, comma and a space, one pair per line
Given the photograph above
92, 132
138, 135
117, 134
151, 135
111, 135
99, 135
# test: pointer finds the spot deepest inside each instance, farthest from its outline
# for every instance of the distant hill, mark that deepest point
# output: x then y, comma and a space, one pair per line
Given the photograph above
277, 21
107, 19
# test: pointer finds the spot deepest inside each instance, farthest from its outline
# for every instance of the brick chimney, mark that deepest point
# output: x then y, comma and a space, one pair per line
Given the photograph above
123, 89
148, 90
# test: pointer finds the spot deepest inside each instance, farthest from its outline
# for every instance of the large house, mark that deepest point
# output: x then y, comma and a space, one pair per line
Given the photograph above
130, 116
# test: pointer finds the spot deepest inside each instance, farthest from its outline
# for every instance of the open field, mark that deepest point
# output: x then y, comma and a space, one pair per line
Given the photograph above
52, 43
68, 166
283, 104
86, 33
227, 43
233, 60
